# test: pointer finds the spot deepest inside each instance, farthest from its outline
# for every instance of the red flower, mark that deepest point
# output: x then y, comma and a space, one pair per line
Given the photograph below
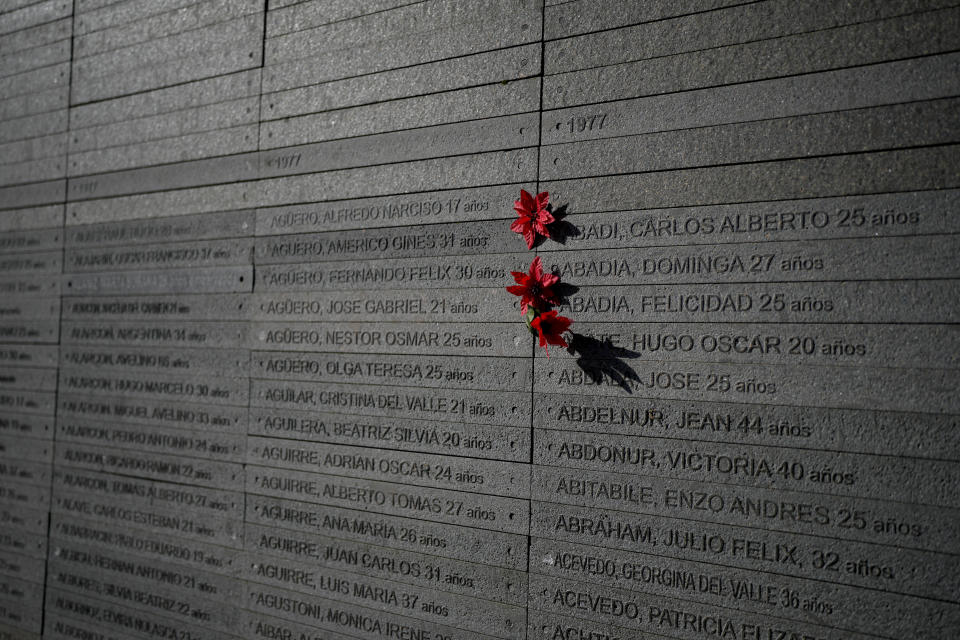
532, 216
550, 327
534, 288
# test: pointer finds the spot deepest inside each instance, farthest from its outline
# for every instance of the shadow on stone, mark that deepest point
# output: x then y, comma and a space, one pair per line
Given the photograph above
563, 291
560, 229
600, 360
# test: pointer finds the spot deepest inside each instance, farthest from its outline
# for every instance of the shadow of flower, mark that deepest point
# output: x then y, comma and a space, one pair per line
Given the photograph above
601, 359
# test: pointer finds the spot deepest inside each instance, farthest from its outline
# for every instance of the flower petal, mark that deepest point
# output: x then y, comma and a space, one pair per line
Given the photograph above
543, 198
527, 201
536, 269
529, 236
547, 280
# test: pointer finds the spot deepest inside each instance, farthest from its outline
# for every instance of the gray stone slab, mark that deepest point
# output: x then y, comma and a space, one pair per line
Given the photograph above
23, 542
184, 148
30, 15
886, 214
465, 509
460, 239
243, 55
160, 507
397, 273
855, 259
264, 624
498, 32
94, 381
784, 553
28, 170
171, 176
906, 480
35, 56
491, 477
30, 330
307, 42
28, 378
291, 15
16, 242
856, 131
469, 339
825, 386
138, 29
44, 33
69, 613
14, 632
26, 425
23, 545
211, 280
823, 50
181, 307
23, 567
403, 434
443, 540
156, 128
192, 95
34, 126
458, 172
876, 612
901, 81
487, 101
26, 471
26, 618
867, 345
485, 407
486, 373
30, 263
36, 81
922, 302
239, 30
94, 15
23, 210
19, 520
168, 230
264, 545
451, 305
28, 152
565, 19
21, 495
926, 528
134, 411
502, 65
473, 136
38, 102
152, 597
855, 174
725, 26
339, 616
165, 467
635, 611
474, 204
156, 334
32, 402
152, 545
457, 610
35, 321
16, 355
204, 253
198, 443
183, 361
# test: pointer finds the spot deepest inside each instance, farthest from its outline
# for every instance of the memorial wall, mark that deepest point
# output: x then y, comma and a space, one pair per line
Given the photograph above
261, 378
